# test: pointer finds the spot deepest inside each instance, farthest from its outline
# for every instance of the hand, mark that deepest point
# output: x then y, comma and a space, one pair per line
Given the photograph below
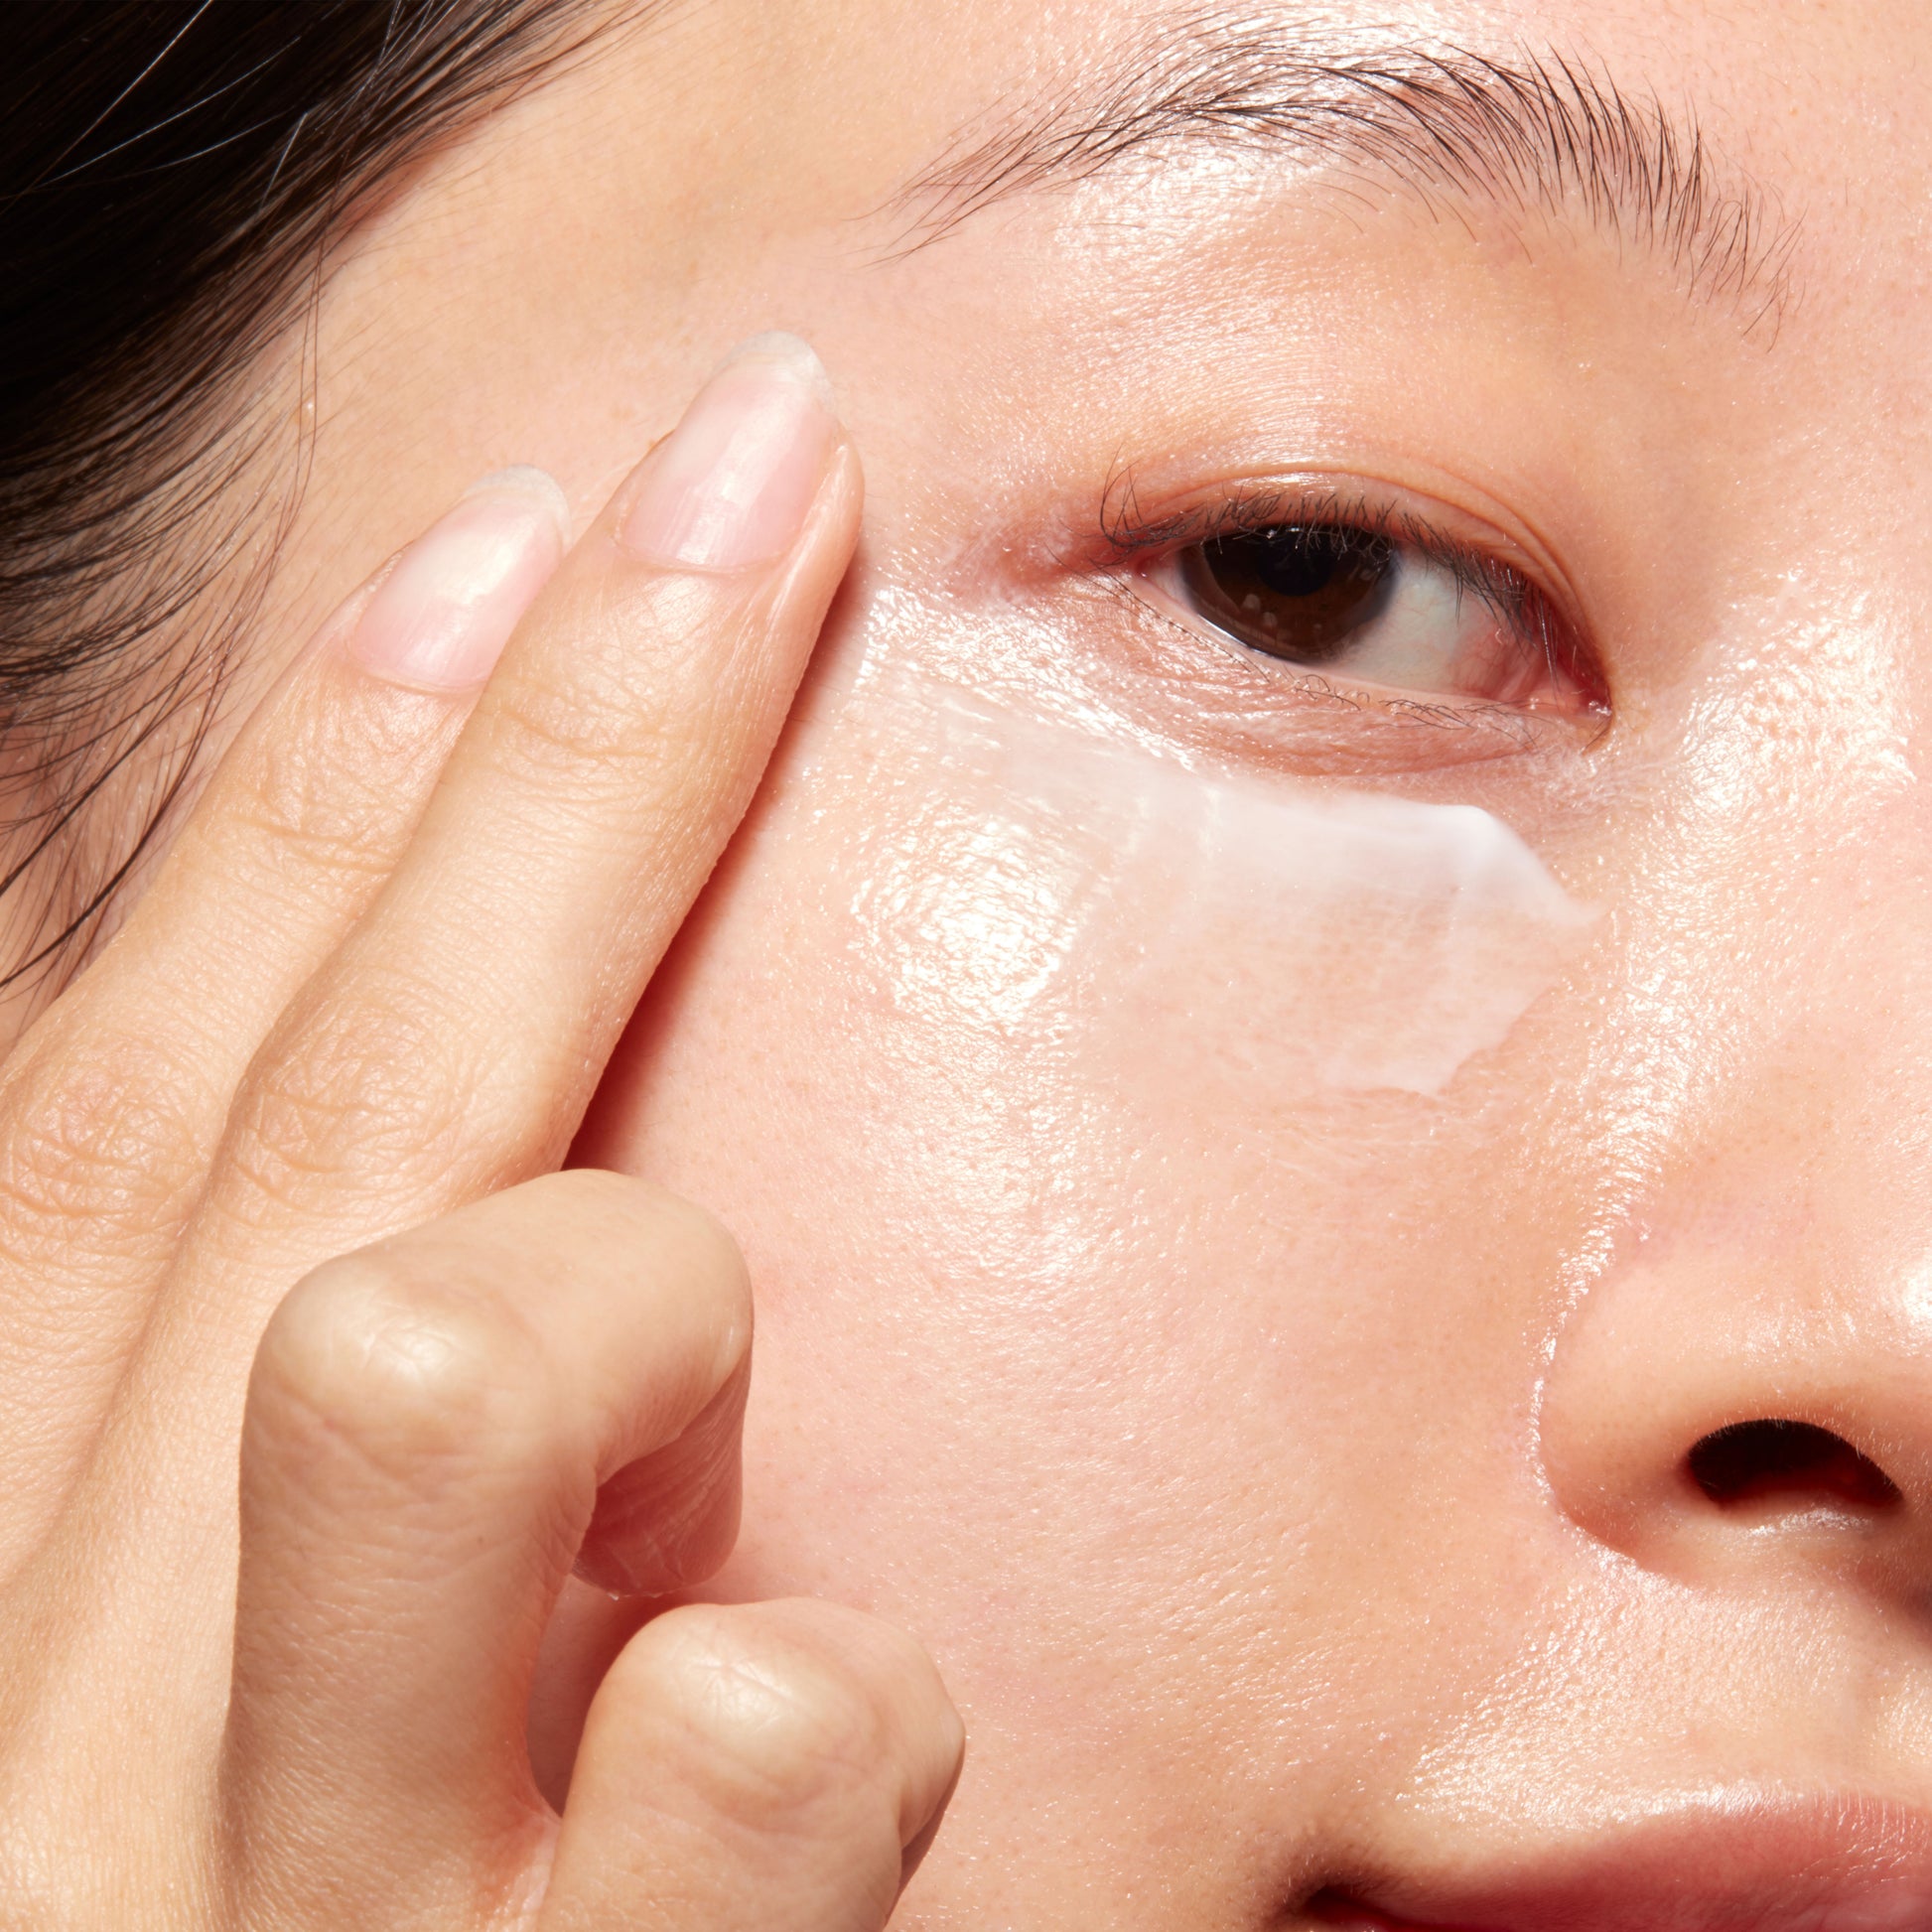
278, 1172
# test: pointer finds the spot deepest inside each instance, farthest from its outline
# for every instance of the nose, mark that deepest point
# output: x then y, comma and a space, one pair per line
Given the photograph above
1739, 1398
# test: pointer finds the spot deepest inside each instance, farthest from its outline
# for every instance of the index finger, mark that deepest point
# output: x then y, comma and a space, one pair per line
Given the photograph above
451, 1044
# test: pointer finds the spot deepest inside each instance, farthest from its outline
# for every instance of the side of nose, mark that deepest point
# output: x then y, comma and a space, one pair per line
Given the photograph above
1731, 1410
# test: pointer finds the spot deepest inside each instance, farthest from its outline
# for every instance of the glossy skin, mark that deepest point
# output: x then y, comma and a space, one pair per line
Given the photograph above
1289, 1483
1286, 1492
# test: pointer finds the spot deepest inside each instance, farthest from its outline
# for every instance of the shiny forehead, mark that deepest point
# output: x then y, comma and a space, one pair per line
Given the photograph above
1521, 128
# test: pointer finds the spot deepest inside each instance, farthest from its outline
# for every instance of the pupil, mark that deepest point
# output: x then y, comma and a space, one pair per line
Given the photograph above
1299, 563
1300, 592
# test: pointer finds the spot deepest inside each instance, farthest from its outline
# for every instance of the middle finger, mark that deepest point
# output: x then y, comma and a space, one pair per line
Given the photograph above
451, 1045
112, 1107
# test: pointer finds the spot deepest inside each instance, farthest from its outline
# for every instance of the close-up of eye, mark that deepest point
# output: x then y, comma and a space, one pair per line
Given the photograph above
1396, 612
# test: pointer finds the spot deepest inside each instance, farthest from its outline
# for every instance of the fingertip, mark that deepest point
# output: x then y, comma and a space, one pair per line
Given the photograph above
525, 479
797, 1699
438, 618
797, 356
920, 1840
733, 484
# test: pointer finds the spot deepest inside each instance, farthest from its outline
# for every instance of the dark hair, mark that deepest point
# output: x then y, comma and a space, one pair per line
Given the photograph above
171, 175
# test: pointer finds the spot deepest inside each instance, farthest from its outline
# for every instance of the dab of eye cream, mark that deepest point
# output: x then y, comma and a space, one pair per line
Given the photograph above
1428, 931
1075, 892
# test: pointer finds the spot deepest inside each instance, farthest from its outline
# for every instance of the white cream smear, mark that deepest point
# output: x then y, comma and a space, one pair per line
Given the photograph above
1209, 934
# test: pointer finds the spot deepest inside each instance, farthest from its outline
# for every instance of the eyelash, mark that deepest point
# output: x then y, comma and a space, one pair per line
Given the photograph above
1134, 542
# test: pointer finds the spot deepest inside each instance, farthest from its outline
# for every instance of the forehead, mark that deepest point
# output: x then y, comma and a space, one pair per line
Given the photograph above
1768, 148
1753, 141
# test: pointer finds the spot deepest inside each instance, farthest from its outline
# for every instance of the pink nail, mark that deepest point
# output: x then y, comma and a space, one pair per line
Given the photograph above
442, 615
738, 477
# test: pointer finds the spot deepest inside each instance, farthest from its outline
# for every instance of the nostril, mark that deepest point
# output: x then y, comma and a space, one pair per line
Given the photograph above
1761, 1461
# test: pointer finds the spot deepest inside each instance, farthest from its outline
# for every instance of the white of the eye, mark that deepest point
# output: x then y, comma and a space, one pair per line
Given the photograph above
1424, 634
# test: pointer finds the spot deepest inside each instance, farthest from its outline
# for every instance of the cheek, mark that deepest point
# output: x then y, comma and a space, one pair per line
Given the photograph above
1096, 1131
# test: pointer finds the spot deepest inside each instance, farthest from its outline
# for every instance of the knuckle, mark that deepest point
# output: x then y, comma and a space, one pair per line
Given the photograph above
768, 1723
545, 739
388, 1355
371, 1090
306, 850
323, 797
293, 819
638, 676
109, 1140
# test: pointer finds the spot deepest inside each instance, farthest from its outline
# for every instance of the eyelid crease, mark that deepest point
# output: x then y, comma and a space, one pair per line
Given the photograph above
1248, 510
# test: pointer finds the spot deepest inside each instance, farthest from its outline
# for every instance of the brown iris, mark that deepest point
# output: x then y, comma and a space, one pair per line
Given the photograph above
1301, 592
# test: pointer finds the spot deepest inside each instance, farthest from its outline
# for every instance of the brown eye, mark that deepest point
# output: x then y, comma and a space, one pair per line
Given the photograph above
1303, 592
1394, 612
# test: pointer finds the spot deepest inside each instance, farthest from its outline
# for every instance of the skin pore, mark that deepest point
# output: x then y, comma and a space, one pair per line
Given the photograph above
1287, 1475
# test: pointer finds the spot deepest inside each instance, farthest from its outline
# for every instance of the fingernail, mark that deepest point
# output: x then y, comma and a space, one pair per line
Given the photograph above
733, 483
441, 617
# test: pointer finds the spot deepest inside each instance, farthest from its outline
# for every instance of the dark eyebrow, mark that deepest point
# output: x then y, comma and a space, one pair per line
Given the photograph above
1540, 132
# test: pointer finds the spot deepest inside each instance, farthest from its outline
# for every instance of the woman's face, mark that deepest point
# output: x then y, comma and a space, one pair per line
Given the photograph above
1276, 1088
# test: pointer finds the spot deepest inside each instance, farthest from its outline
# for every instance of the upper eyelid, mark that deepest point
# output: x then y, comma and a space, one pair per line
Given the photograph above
1512, 581
1258, 503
